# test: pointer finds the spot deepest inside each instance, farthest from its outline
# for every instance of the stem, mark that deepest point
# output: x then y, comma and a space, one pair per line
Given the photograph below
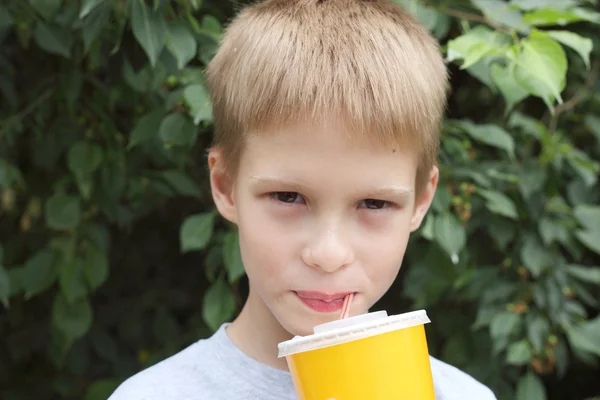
474, 17
578, 97
28, 110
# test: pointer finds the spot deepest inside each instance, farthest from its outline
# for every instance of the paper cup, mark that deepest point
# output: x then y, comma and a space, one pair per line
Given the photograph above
368, 357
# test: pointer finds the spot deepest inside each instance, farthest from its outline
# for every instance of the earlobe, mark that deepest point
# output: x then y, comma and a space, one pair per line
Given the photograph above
424, 201
221, 185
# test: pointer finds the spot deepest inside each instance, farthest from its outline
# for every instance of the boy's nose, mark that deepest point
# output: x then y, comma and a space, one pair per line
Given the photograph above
327, 252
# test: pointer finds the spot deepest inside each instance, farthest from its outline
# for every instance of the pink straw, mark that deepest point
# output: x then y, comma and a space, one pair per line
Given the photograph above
346, 306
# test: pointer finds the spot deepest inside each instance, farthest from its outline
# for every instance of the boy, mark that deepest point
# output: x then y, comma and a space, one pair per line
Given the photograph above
327, 116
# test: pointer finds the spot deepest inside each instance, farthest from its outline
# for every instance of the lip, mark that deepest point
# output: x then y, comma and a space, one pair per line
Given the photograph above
322, 302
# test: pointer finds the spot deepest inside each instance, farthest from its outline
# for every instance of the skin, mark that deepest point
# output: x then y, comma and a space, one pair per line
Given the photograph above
317, 210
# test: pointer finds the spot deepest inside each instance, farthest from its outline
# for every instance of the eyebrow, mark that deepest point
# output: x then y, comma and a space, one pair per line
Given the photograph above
268, 181
396, 190
393, 190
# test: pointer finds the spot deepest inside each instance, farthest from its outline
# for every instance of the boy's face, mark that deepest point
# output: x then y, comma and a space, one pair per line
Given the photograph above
320, 215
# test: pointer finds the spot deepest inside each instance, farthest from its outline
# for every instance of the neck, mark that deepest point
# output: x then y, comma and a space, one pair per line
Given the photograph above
257, 332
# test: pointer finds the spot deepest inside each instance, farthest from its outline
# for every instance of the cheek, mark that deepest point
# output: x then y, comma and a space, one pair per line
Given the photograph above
265, 249
384, 253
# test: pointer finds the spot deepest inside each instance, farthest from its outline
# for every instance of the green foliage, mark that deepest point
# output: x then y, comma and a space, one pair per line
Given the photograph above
111, 254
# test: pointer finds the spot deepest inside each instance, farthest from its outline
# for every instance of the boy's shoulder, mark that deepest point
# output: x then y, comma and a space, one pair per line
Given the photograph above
453, 384
210, 369
175, 377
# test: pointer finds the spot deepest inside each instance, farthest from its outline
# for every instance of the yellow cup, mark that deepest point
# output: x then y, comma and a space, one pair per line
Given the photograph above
369, 357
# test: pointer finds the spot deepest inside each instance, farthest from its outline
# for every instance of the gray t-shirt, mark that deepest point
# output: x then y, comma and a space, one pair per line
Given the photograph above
215, 369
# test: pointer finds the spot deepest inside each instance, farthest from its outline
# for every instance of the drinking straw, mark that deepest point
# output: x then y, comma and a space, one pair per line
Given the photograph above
346, 306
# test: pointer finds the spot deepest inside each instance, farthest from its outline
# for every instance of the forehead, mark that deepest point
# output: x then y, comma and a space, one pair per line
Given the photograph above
326, 151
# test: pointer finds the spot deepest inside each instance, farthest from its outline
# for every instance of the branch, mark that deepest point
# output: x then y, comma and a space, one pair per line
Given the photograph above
578, 97
28, 110
475, 18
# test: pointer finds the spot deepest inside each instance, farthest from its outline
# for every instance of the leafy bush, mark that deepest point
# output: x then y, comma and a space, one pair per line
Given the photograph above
112, 256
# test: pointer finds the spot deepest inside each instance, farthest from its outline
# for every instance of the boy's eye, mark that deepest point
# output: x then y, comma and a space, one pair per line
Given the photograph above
374, 204
287, 197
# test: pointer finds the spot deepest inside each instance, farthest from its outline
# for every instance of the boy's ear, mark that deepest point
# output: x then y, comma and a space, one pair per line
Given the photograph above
423, 202
221, 185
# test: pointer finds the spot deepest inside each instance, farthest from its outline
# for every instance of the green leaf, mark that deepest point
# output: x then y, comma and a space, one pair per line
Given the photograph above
181, 183
101, 389
83, 160
53, 39
586, 337
499, 203
93, 23
233, 257
584, 273
502, 231
492, 135
95, 267
589, 217
538, 330
4, 281
218, 305
535, 4
71, 280
177, 130
505, 81
551, 231
531, 180
427, 228
87, 6
39, 273
6, 20
450, 235
212, 25
149, 28
428, 16
196, 4
46, 8
542, 67
165, 326
473, 46
9, 174
583, 46
481, 71
67, 16
587, 169
535, 256
181, 43
73, 320
63, 212
4, 286
530, 387
503, 324
561, 17
562, 358
146, 128
198, 99
140, 81
501, 12
528, 125
591, 239
519, 353
592, 123
196, 231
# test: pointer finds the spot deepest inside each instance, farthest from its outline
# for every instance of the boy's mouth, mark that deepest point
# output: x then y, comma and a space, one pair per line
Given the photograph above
322, 302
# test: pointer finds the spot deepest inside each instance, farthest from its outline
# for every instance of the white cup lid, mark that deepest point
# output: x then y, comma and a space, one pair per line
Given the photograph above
352, 321
350, 329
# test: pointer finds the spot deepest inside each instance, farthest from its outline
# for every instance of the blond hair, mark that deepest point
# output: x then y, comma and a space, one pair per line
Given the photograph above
368, 61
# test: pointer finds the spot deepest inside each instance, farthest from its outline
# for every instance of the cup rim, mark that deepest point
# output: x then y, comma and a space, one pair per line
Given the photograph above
300, 344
